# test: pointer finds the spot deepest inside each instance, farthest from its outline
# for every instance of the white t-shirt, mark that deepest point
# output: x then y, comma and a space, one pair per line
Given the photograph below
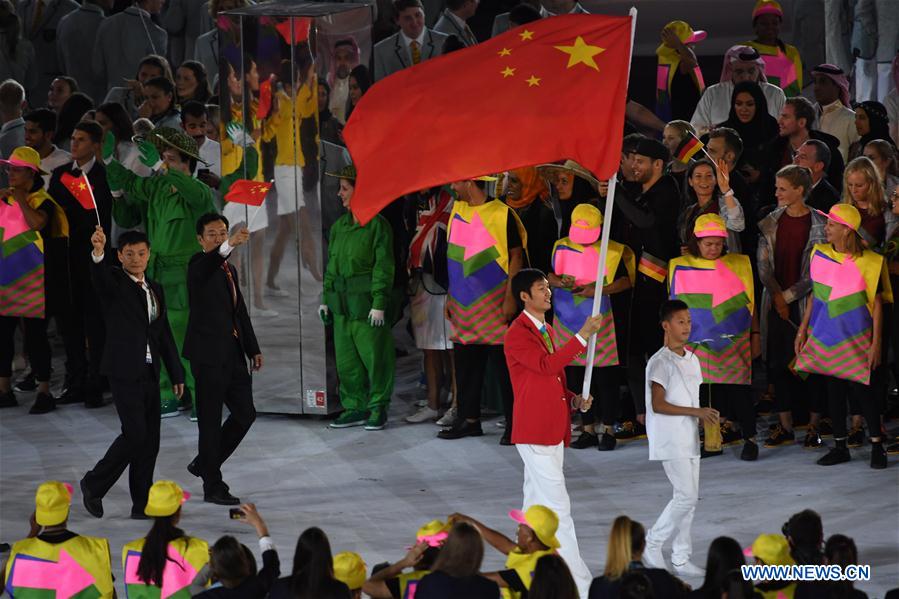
673, 437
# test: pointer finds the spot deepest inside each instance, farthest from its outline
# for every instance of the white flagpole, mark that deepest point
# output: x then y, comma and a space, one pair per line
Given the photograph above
93, 199
604, 245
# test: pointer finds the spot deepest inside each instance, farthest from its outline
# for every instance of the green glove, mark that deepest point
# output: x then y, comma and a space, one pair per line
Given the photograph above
149, 155
108, 147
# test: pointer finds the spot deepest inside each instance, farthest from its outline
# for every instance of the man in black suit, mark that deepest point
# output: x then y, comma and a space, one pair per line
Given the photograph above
218, 343
79, 316
139, 339
815, 156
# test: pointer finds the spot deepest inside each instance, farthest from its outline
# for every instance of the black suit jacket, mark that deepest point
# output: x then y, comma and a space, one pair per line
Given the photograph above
128, 326
82, 222
213, 315
823, 196
776, 152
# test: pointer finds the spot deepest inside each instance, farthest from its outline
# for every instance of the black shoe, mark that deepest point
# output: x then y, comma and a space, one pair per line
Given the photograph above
878, 456
194, 467
42, 404
221, 497
825, 427
729, 436
703, 453
812, 439
93, 399
607, 442
506, 439
93, 505
779, 436
856, 437
585, 440
8, 400
837, 455
139, 516
461, 428
28, 382
750, 451
630, 430
70, 395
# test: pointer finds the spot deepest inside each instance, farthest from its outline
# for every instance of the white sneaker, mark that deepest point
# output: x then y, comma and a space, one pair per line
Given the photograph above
422, 415
263, 312
272, 292
448, 417
652, 558
689, 569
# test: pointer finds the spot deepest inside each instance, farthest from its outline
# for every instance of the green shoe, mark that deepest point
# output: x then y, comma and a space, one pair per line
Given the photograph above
377, 420
349, 418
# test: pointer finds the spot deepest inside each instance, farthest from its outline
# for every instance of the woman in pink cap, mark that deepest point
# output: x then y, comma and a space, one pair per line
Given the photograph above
28, 218
679, 81
842, 330
717, 285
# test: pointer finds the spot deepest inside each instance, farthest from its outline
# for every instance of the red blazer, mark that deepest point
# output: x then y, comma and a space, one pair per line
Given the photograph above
542, 409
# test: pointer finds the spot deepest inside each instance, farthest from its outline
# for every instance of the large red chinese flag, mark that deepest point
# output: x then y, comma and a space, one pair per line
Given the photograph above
244, 191
549, 90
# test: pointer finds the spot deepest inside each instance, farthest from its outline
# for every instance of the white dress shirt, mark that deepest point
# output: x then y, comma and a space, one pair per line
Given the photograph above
56, 158
541, 324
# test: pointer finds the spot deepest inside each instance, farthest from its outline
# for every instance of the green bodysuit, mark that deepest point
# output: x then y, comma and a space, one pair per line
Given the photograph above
359, 278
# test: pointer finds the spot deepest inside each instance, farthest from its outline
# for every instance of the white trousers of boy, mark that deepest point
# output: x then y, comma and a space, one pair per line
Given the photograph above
677, 517
544, 484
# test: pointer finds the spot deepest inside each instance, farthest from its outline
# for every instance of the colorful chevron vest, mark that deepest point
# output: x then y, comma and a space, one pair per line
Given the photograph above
524, 565
782, 68
79, 568
478, 264
408, 582
840, 329
720, 296
186, 556
580, 262
21, 261
667, 67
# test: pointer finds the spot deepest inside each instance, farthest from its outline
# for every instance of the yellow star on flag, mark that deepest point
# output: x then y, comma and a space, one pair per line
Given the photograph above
82, 186
505, 52
507, 72
581, 53
533, 81
526, 35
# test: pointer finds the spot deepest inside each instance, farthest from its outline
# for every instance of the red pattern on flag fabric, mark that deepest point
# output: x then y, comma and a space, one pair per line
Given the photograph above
251, 193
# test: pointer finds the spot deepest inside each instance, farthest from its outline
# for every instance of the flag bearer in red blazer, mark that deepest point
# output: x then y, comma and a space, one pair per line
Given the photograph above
541, 424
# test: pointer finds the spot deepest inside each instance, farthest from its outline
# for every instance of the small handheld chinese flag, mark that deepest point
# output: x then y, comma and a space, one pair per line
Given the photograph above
549, 90
300, 29
265, 99
81, 190
251, 193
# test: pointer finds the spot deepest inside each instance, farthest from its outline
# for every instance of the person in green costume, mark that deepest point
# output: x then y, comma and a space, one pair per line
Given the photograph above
169, 203
357, 290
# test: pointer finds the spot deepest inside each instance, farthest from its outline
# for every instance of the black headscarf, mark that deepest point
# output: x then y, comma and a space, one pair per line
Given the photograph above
363, 79
760, 130
878, 122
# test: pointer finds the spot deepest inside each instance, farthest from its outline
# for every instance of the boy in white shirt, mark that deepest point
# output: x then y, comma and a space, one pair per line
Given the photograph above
673, 377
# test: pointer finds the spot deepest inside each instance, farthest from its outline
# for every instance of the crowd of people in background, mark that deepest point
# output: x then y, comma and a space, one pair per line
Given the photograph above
774, 165
444, 559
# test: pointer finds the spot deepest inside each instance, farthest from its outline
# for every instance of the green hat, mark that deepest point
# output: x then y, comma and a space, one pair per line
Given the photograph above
348, 172
169, 137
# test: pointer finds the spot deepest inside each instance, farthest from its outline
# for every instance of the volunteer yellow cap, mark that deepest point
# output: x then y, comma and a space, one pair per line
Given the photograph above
767, 7
165, 498
844, 214
685, 33
709, 225
51, 503
434, 533
542, 520
349, 568
586, 224
773, 550
25, 157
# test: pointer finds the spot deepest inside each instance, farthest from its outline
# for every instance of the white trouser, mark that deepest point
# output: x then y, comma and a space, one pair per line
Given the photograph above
677, 516
544, 484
